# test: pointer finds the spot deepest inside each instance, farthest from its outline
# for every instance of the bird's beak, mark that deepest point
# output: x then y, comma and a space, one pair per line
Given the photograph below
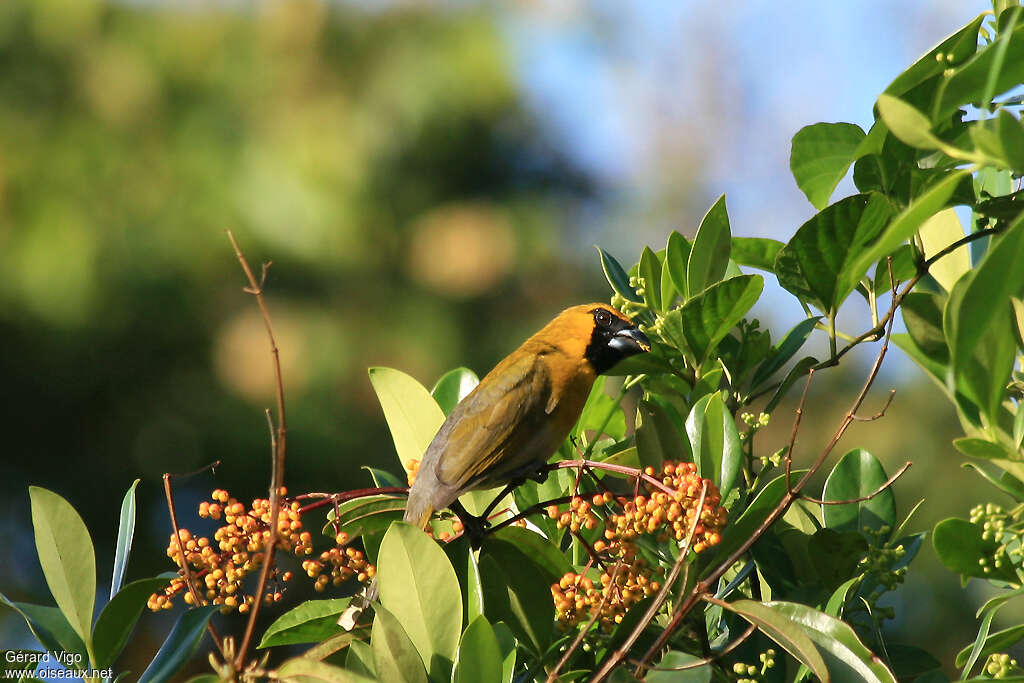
630, 341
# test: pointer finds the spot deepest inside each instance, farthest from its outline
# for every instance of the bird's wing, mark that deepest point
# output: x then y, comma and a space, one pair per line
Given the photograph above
504, 408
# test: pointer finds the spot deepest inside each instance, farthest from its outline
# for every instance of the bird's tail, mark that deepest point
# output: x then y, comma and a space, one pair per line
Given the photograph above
417, 512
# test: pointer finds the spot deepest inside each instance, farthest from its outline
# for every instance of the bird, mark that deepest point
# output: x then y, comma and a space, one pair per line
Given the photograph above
511, 423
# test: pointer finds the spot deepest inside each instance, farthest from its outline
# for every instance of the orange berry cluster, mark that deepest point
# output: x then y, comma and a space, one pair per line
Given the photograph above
628, 578
219, 567
343, 563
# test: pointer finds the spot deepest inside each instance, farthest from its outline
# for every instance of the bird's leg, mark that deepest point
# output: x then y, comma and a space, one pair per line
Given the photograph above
474, 527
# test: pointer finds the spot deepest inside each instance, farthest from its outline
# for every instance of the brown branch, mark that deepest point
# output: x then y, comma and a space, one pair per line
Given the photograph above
888, 482
278, 456
185, 570
881, 413
796, 425
620, 469
344, 496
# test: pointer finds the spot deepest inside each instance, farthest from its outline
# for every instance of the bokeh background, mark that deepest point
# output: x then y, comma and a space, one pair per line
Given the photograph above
428, 179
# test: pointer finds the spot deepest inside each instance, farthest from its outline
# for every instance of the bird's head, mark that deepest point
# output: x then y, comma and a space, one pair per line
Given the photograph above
607, 335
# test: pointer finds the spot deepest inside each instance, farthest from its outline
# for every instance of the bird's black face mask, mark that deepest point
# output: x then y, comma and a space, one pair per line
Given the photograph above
612, 340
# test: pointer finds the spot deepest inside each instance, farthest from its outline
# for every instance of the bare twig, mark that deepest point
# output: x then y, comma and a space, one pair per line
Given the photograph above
186, 571
880, 413
279, 447
888, 482
796, 425
706, 660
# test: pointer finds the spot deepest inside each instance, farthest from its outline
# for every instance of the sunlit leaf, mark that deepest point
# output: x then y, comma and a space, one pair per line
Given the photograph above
937, 233
820, 157
783, 631
709, 255
125, 534
453, 386
412, 414
479, 659
395, 657
309, 622
858, 474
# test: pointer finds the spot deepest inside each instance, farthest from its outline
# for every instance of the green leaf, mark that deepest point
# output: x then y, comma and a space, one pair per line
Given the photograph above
1011, 135
756, 252
835, 555
650, 271
395, 656
821, 156
796, 372
412, 414
463, 559
784, 350
783, 631
541, 551
125, 533
49, 626
658, 437
383, 477
922, 314
908, 662
960, 547
507, 645
67, 557
180, 644
907, 123
992, 70
359, 659
337, 643
981, 448
672, 659
1000, 641
937, 233
979, 307
858, 474
717, 449
617, 277
517, 592
452, 387
705, 319
736, 533
847, 657
479, 658
817, 263
960, 45
308, 622
677, 254
306, 670
116, 621
902, 228
420, 588
709, 255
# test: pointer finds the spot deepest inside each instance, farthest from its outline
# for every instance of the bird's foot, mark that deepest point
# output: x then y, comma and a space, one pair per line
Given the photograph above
474, 528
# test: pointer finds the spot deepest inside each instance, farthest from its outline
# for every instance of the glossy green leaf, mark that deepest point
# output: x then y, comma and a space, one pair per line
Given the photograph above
908, 662
784, 350
337, 643
517, 592
420, 588
452, 387
937, 233
1011, 136
541, 551
901, 228
717, 449
705, 319
507, 645
677, 254
981, 448
835, 555
907, 123
125, 534
960, 45
479, 659
662, 672
858, 474
617, 277
970, 82
395, 657
658, 438
1000, 641
847, 657
820, 157
359, 659
756, 252
979, 307
49, 626
463, 560
817, 263
783, 631
650, 271
367, 514
67, 557
960, 547
118, 618
922, 314
736, 533
709, 255
180, 644
412, 414
308, 622
383, 477
306, 670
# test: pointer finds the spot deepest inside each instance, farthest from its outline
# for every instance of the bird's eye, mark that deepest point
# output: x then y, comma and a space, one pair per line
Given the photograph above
604, 318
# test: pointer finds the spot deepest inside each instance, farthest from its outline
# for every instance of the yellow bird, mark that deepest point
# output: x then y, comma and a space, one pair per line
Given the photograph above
517, 417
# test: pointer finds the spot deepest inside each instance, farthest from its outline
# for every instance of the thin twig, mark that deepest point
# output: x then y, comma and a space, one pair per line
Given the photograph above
796, 425
278, 456
185, 570
888, 482
881, 413
706, 660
